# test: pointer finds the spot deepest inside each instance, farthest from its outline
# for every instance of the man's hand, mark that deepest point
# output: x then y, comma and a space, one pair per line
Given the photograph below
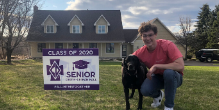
151, 71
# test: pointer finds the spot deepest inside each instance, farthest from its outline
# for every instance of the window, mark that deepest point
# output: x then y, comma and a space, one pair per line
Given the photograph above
76, 29
92, 45
109, 47
49, 29
41, 46
124, 50
101, 29
75, 45
59, 45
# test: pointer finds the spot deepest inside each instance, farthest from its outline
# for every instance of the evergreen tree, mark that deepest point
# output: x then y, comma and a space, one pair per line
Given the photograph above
212, 32
213, 41
215, 10
210, 36
201, 31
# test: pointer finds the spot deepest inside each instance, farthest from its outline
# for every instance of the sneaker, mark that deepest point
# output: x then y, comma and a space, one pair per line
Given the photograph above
157, 101
166, 108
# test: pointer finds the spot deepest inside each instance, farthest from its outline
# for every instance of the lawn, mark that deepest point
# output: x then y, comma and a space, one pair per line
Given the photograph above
22, 87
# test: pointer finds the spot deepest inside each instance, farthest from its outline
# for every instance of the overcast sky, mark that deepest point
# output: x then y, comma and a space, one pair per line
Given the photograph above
136, 11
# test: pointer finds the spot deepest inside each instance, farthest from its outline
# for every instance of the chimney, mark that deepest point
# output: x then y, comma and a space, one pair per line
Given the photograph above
35, 8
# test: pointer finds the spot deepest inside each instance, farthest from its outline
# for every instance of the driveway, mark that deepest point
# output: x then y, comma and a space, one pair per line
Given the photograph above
198, 63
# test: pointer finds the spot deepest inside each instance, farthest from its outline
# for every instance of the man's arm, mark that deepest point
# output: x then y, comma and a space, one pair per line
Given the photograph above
177, 65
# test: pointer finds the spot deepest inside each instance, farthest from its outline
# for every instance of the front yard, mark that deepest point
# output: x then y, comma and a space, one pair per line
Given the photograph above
22, 87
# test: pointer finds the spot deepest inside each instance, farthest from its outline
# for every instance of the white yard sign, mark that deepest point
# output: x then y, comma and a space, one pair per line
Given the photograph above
71, 69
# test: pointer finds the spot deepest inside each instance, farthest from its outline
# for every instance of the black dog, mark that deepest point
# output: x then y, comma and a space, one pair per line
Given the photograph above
133, 75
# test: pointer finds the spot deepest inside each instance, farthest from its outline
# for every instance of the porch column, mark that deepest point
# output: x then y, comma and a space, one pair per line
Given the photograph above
101, 50
121, 50
30, 51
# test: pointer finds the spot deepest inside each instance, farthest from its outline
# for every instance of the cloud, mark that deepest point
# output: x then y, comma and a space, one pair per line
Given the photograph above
147, 11
130, 25
134, 12
54, 6
174, 29
137, 10
125, 17
193, 26
72, 5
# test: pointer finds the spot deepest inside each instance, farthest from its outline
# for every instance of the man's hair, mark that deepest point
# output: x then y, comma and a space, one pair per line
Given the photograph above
147, 26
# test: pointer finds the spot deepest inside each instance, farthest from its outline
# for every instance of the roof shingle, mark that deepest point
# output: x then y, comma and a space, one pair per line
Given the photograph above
130, 34
88, 17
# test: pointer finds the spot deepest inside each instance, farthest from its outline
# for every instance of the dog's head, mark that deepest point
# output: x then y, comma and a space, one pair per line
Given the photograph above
131, 63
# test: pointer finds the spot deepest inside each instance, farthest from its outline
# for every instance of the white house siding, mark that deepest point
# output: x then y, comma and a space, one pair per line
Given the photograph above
137, 44
116, 53
163, 33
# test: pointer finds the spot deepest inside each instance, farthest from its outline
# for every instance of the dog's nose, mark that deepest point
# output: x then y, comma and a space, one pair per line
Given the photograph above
131, 67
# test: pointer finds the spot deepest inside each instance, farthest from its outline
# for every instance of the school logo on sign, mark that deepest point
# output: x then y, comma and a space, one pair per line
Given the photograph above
55, 70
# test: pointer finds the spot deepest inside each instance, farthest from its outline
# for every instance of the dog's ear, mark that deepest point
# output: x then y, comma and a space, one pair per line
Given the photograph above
138, 61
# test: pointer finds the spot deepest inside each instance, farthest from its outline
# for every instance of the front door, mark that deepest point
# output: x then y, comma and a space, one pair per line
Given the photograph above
124, 50
75, 45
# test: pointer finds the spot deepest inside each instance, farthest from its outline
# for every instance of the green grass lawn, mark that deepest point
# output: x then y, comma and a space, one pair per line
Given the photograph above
22, 87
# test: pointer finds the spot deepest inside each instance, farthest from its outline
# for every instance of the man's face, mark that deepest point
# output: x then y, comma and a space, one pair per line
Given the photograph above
149, 38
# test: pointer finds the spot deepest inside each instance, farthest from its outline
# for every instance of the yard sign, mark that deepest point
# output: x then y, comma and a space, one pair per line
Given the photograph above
71, 69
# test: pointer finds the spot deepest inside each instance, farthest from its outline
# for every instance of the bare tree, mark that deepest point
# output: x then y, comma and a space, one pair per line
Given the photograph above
16, 20
185, 26
2, 54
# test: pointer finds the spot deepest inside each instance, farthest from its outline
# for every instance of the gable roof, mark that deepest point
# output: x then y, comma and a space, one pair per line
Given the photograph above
164, 27
77, 18
104, 19
136, 37
47, 18
167, 30
89, 17
130, 34
152, 21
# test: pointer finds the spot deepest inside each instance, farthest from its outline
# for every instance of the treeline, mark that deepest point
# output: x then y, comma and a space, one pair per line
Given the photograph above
206, 34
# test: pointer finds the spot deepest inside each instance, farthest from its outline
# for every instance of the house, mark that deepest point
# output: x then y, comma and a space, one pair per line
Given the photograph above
100, 29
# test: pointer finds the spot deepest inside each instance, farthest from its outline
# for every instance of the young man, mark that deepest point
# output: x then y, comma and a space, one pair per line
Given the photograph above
165, 63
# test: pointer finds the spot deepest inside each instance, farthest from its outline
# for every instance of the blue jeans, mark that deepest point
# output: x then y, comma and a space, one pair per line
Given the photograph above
169, 81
